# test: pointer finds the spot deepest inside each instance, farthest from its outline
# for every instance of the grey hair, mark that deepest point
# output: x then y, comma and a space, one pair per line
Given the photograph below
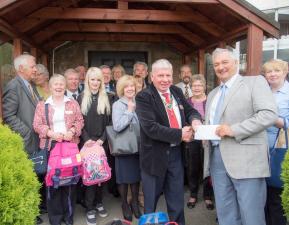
42, 69
218, 51
162, 64
21, 60
104, 67
56, 77
70, 70
140, 63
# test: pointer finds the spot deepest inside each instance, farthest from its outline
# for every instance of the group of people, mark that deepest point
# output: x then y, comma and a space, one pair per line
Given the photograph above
246, 109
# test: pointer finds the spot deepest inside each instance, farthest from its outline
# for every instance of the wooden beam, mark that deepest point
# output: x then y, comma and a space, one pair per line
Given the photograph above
201, 61
44, 60
17, 47
251, 17
254, 50
114, 14
11, 7
12, 32
178, 1
5, 3
33, 51
116, 28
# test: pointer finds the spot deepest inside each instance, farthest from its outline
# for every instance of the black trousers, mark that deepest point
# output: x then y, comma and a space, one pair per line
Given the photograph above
93, 196
193, 168
172, 185
273, 210
61, 204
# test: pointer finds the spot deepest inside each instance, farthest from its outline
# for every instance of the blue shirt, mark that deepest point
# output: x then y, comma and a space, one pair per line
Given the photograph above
282, 99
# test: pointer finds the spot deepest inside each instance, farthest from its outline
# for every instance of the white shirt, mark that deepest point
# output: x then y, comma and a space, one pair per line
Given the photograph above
69, 94
182, 86
58, 116
228, 84
175, 107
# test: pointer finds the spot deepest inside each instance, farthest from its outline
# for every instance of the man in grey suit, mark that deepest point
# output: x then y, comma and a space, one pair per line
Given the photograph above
20, 98
19, 101
242, 107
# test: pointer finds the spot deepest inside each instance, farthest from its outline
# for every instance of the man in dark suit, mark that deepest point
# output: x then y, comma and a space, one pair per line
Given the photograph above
166, 120
141, 69
20, 98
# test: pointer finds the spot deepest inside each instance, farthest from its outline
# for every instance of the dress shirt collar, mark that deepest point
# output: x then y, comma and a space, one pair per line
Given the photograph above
285, 88
69, 93
230, 82
50, 100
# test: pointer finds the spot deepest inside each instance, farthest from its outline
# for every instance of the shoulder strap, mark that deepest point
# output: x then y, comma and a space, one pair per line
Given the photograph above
47, 121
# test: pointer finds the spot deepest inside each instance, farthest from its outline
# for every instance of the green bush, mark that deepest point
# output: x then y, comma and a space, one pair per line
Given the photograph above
19, 187
285, 178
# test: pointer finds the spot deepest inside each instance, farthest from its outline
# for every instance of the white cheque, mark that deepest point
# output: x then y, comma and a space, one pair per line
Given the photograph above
207, 132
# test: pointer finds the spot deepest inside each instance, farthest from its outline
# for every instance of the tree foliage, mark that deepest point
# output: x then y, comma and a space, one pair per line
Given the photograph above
19, 186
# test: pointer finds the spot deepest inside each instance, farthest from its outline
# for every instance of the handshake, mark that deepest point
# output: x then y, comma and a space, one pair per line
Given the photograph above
189, 131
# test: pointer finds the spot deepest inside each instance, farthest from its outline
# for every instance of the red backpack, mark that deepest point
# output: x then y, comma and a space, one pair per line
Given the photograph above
64, 165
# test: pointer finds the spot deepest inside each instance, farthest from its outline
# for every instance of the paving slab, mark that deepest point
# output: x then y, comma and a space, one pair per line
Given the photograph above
196, 216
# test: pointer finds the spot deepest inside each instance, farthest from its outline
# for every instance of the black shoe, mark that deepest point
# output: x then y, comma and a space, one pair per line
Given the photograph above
191, 205
126, 211
66, 222
136, 210
39, 220
115, 193
43, 210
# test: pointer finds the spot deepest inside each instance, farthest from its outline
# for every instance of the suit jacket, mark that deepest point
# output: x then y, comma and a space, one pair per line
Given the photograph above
249, 108
182, 85
156, 134
18, 112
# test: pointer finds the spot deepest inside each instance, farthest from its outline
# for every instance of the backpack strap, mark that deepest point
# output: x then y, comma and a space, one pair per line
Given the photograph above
47, 122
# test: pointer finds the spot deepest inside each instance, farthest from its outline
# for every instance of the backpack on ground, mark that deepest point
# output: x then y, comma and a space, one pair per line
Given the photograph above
64, 165
156, 218
94, 164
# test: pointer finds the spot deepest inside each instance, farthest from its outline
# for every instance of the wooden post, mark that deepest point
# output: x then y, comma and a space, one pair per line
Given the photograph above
187, 59
44, 60
1, 105
33, 51
201, 62
254, 50
17, 47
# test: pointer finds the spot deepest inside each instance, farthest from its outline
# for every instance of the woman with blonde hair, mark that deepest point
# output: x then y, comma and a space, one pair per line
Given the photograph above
96, 109
127, 167
275, 72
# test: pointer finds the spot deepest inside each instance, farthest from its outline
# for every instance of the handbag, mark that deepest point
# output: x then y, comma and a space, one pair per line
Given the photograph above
40, 158
125, 142
277, 155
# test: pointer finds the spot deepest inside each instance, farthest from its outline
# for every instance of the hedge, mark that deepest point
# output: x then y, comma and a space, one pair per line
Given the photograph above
19, 186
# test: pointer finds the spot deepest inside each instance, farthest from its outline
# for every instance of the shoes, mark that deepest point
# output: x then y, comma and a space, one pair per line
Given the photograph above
209, 205
191, 204
101, 210
91, 217
136, 210
66, 222
126, 211
43, 210
39, 220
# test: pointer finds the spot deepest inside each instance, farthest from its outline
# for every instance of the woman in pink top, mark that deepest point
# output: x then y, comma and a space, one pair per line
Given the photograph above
65, 124
194, 149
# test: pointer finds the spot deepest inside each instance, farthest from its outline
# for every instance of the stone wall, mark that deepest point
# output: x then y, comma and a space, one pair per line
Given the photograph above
73, 54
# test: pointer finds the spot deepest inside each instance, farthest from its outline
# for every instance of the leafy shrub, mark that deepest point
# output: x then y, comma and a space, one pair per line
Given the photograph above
19, 186
285, 178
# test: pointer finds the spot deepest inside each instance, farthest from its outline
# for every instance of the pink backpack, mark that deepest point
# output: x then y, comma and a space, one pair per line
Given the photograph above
95, 166
64, 165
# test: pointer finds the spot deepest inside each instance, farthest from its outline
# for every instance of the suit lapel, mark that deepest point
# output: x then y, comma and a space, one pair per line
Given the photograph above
159, 103
180, 106
209, 104
235, 87
25, 90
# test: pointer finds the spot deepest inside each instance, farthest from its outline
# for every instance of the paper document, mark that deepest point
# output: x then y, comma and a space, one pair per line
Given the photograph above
207, 132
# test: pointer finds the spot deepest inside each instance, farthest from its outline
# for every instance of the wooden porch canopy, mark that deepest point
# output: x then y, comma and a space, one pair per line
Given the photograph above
185, 25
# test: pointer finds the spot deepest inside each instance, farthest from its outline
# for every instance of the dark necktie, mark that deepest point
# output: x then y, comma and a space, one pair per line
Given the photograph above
186, 91
74, 96
170, 111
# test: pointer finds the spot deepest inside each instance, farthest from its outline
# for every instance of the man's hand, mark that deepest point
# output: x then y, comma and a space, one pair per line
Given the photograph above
279, 123
187, 133
224, 130
195, 124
